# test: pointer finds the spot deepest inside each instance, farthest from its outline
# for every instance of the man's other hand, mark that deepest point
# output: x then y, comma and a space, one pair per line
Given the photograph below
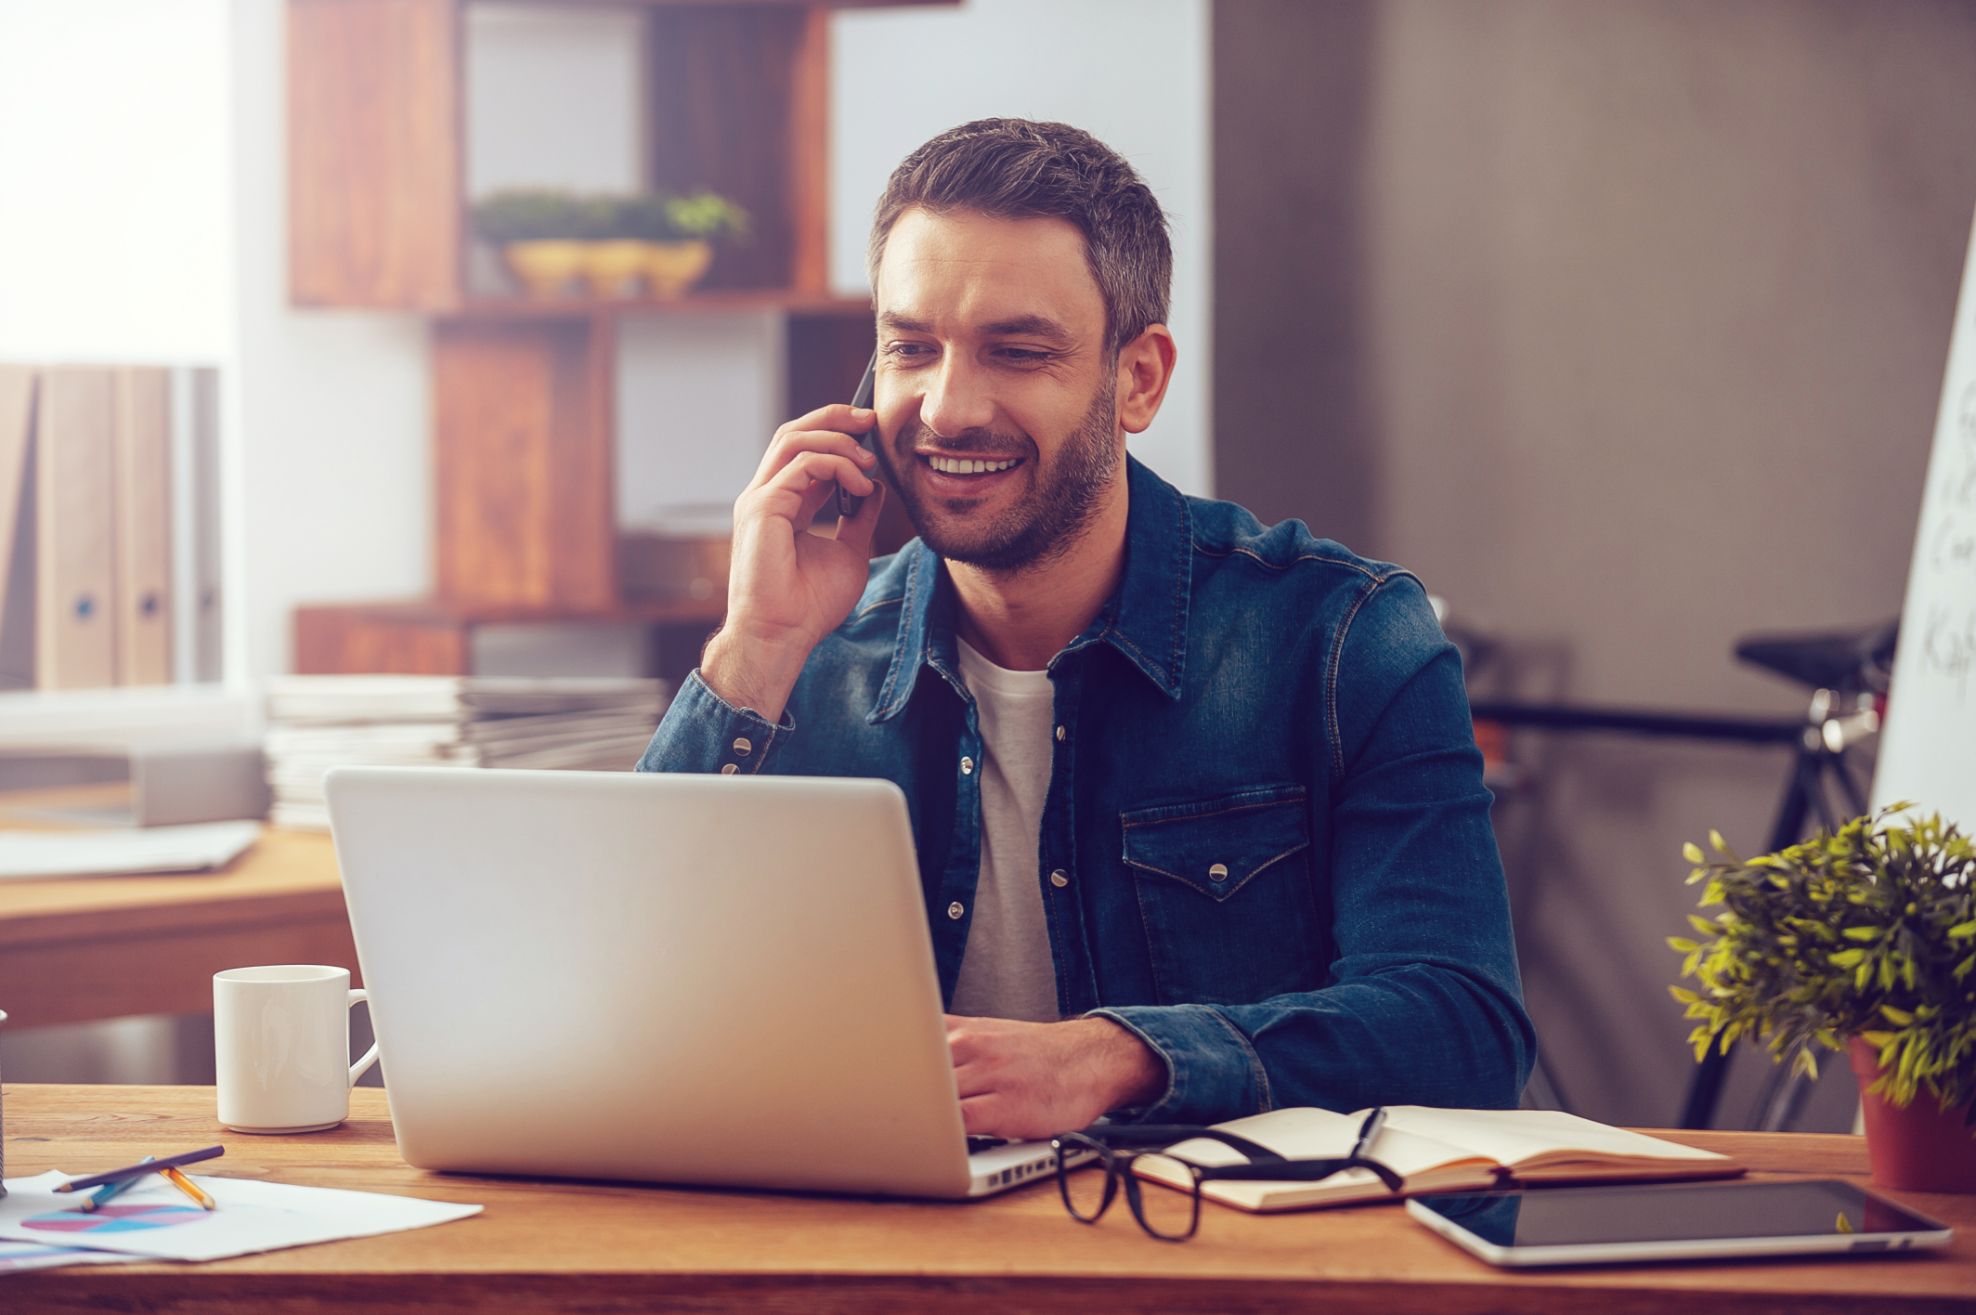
1031, 1080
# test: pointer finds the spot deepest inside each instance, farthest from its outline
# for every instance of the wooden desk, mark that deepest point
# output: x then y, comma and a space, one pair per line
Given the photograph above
564, 1246
84, 948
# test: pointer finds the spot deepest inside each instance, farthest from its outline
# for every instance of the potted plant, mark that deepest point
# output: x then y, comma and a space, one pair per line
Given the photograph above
540, 232
677, 234
613, 257
1864, 939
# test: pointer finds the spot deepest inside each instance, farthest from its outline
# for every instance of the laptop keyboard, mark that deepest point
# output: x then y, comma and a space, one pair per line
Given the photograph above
975, 1144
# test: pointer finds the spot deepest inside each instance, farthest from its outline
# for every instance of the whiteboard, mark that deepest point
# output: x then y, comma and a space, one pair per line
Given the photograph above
1928, 751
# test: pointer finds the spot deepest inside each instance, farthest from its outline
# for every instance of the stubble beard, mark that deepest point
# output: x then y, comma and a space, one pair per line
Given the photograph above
1039, 529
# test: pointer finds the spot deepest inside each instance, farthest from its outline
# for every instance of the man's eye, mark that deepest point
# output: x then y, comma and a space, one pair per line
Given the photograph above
1024, 356
906, 351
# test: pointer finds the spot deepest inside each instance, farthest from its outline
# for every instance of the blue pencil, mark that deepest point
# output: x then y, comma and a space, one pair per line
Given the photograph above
121, 1185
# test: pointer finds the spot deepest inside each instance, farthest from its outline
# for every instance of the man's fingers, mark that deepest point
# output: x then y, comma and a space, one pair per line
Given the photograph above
972, 1080
798, 437
783, 495
980, 1115
787, 447
836, 415
858, 530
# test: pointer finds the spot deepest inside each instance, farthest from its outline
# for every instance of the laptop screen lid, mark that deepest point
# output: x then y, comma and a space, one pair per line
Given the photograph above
667, 978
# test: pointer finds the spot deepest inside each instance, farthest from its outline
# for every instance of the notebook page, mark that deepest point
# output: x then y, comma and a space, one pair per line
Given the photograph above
1513, 1137
1313, 1134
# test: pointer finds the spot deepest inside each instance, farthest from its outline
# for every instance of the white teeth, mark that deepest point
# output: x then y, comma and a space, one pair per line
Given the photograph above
957, 466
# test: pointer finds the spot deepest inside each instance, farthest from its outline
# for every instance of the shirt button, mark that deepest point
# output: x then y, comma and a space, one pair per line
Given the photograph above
743, 746
955, 910
967, 769
1219, 872
1061, 732
728, 769
1059, 878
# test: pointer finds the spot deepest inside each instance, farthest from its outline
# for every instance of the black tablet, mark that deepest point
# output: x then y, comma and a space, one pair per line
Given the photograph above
1674, 1221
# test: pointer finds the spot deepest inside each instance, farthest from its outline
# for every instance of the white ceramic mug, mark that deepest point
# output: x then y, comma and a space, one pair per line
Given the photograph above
281, 1036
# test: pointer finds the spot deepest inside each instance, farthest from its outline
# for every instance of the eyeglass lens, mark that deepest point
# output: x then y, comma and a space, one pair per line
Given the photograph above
1088, 1188
1170, 1213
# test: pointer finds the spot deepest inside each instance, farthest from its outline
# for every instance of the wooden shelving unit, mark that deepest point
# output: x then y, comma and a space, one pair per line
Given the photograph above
523, 390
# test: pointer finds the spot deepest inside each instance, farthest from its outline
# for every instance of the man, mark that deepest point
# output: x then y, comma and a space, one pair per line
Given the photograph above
1197, 804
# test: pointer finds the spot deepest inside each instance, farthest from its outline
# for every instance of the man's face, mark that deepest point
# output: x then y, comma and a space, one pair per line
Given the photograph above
995, 385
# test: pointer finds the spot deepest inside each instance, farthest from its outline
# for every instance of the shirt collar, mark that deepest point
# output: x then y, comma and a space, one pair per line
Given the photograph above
1145, 620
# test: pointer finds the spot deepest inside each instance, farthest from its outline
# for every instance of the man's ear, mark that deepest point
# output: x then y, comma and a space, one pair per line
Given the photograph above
1145, 367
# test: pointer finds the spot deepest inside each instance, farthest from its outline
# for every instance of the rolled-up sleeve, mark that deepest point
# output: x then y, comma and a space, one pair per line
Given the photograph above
1422, 1002
702, 732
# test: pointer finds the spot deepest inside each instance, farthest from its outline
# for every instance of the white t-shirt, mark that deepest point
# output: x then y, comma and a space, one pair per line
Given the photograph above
1006, 970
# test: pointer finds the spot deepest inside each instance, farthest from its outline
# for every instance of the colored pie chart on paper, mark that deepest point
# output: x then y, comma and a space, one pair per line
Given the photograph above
114, 1218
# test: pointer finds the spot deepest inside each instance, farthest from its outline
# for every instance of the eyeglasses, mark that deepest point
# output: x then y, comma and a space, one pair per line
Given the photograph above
1174, 1216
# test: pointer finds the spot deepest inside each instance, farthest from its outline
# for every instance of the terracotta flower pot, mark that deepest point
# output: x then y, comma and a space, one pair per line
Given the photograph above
1920, 1148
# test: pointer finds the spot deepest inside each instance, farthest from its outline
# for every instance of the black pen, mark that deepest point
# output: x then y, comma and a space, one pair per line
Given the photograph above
1367, 1131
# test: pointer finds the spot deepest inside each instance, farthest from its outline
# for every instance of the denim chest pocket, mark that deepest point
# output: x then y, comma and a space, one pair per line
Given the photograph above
1224, 889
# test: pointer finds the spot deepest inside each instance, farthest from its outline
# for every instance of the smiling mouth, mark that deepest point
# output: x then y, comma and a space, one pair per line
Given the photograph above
965, 466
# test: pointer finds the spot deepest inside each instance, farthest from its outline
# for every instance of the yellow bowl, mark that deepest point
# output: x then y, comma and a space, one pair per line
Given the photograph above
673, 267
544, 268
613, 268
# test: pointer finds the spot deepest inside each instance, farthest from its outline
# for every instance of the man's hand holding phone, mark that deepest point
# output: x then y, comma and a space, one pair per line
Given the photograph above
787, 588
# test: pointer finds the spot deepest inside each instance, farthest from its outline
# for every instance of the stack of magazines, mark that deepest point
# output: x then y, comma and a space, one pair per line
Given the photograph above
319, 722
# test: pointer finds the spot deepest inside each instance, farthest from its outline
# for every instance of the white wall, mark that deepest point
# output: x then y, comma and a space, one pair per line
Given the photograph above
1133, 73
114, 181
142, 218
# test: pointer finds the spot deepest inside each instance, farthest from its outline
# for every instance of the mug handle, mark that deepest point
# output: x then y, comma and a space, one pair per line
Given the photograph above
362, 1066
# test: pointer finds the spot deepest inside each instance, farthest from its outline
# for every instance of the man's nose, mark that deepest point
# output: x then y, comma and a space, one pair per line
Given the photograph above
957, 398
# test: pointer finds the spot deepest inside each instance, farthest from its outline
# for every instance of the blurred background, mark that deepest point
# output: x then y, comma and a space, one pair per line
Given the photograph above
455, 325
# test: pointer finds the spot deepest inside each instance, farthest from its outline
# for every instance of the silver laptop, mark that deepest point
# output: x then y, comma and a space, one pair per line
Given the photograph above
661, 978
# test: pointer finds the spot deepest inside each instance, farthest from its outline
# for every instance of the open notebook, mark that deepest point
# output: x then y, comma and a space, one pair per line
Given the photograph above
1434, 1150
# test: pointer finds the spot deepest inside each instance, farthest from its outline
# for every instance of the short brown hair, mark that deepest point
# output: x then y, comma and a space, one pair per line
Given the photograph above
1023, 169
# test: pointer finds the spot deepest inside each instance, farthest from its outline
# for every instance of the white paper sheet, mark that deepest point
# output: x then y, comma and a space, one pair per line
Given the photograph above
157, 1220
19, 1257
192, 848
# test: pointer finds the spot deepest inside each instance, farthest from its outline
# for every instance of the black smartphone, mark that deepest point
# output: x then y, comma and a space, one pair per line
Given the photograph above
848, 502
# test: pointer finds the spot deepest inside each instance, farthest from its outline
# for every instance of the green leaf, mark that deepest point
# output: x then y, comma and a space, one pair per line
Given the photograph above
1693, 853
1684, 945
1702, 925
1898, 1017
1862, 933
1847, 958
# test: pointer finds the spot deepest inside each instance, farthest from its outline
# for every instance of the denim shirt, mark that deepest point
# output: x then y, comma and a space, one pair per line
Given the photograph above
1266, 847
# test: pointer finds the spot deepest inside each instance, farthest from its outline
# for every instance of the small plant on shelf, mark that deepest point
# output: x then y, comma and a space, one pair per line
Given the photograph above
677, 234
1863, 939
705, 216
540, 232
618, 244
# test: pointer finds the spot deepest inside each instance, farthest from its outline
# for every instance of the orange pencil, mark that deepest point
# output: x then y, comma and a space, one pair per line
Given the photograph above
190, 1188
